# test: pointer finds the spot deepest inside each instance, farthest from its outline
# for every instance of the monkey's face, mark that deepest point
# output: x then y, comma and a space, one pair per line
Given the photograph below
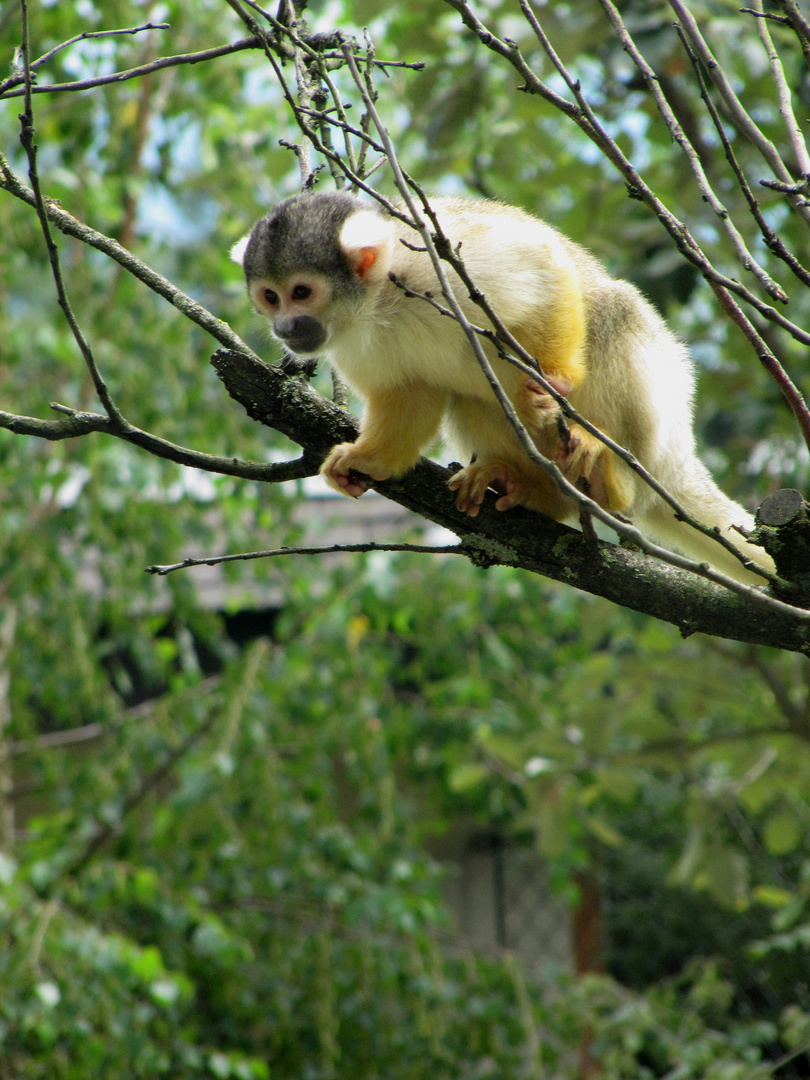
300, 310
314, 265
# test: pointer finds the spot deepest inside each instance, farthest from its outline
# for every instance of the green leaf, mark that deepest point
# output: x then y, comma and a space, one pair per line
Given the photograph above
465, 777
603, 831
772, 896
782, 832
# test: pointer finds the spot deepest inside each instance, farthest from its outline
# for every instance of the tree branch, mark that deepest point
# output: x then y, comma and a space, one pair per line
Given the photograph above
10, 88
329, 549
772, 240
522, 538
75, 424
741, 118
800, 25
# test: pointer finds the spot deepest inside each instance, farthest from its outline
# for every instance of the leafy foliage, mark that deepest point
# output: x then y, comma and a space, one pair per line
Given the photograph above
229, 877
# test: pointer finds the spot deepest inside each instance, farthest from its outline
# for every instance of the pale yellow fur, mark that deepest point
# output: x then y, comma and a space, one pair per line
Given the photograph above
595, 337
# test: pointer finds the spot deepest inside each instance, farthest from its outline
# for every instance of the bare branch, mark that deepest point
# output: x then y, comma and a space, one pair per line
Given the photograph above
746, 259
790, 391
10, 88
800, 24
785, 100
331, 549
75, 424
772, 240
739, 115
87, 34
583, 115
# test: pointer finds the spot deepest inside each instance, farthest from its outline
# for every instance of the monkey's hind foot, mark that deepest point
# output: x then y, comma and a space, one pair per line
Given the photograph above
588, 459
513, 486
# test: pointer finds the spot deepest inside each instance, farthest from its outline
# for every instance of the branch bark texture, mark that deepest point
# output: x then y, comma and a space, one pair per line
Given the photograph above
517, 538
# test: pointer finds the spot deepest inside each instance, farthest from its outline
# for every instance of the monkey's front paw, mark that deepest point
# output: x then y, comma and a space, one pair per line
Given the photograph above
342, 465
472, 484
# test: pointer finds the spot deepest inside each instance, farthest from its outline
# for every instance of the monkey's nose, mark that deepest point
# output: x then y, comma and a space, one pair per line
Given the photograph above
301, 333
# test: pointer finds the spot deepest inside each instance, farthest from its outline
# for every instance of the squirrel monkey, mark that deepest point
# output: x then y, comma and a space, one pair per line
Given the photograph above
318, 266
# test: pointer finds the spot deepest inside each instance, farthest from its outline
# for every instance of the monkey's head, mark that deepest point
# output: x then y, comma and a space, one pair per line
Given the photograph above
313, 264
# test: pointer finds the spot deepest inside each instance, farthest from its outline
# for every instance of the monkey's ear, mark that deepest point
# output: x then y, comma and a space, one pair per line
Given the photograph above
239, 248
368, 241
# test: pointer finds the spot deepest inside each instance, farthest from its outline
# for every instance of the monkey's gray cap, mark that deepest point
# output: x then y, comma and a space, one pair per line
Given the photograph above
301, 234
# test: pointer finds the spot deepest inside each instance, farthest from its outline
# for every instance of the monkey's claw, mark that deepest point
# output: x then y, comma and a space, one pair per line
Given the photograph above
472, 483
582, 453
536, 405
583, 465
341, 467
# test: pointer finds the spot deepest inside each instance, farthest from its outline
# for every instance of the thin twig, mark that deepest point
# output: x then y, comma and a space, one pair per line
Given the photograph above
10, 88
87, 34
800, 24
325, 116
76, 424
742, 120
357, 181
746, 259
71, 226
772, 240
785, 101
790, 392
331, 549
584, 117
781, 19
308, 83
371, 90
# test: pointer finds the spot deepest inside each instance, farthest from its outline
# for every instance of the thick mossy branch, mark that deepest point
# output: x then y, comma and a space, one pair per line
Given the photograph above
517, 538
783, 522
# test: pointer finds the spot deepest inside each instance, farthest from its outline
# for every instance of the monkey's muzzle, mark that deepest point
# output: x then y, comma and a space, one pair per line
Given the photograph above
300, 333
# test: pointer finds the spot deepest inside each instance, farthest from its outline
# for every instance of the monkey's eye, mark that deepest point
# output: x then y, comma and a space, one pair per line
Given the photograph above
270, 296
301, 292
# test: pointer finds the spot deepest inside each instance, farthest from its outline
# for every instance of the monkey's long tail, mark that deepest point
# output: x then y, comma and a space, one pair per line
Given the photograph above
696, 491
